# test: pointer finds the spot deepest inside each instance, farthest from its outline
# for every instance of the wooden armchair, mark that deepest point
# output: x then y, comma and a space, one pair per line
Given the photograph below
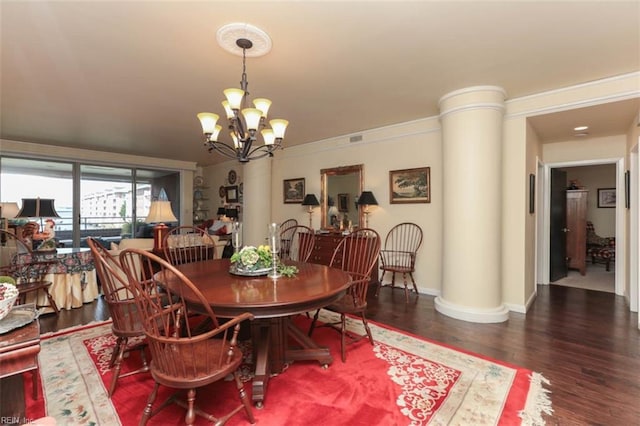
186, 244
399, 255
300, 241
126, 322
286, 232
184, 354
356, 254
17, 260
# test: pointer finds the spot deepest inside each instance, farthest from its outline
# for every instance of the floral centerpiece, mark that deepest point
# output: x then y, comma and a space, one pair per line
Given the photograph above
8, 295
252, 260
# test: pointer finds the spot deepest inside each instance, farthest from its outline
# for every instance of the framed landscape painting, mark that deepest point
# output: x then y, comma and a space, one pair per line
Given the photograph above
410, 186
293, 191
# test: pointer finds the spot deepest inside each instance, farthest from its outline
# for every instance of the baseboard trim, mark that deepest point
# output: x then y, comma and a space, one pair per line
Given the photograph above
465, 313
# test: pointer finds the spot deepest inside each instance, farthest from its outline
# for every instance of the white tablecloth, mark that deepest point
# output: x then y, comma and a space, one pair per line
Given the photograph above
73, 280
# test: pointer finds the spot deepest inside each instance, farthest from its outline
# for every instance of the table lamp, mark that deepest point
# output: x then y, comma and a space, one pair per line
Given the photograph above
221, 213
310, 201
160, 212
37, 207
8, 211
365, 200
232, 214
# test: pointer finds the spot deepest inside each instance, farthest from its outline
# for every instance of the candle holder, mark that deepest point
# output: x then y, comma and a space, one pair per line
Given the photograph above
236, 236
274, 244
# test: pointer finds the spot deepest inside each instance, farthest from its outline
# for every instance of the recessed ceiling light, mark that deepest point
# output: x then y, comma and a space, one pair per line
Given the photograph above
581, 135
580, 128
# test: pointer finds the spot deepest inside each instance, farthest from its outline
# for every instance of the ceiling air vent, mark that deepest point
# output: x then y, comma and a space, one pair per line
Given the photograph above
356, 138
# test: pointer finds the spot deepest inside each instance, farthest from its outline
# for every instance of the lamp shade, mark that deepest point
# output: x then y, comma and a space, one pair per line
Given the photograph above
367, 199
310, 200
9, 210
160, 212
37, 207
232, 213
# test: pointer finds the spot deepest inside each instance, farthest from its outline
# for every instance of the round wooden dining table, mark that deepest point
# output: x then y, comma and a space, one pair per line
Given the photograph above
276, 340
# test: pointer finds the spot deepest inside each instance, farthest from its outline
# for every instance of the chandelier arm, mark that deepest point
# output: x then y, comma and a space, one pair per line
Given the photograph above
251, 156
268, 149
223, 149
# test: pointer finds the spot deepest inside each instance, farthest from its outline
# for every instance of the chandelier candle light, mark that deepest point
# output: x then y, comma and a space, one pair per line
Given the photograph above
244, 123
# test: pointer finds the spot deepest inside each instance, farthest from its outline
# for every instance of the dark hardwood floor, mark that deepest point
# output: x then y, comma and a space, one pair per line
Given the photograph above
586, 343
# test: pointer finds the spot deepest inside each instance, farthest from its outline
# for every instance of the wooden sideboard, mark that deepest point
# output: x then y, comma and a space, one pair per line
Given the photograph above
19, 350
325, 245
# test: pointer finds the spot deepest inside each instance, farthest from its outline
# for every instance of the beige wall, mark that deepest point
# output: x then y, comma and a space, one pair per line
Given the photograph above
534, 157
409, 145
604, 148
217, 176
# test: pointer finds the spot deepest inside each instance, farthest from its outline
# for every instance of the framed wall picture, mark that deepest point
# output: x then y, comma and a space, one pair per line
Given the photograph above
232, 193
343, 202
606, 197
293, 191
532, 193
410, 186
627, 189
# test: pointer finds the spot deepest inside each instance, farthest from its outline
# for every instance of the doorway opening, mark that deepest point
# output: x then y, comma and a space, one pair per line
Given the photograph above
603, 183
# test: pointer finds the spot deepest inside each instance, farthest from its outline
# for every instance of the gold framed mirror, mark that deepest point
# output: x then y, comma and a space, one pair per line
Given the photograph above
340, 189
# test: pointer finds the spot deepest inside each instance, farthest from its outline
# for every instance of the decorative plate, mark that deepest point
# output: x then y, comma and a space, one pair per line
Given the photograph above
198, 181
19, 316
233, 270
232, 177
241, 188
222, 192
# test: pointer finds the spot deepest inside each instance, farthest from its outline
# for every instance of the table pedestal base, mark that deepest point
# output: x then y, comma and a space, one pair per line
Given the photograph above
272, 351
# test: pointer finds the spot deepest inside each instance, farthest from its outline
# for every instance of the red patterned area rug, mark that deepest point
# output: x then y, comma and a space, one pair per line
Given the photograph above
401, 380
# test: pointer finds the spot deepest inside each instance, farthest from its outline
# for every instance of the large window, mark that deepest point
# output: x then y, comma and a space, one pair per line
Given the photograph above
100, 197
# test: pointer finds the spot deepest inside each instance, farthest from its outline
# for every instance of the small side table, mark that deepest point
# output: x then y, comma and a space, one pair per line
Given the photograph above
19, 352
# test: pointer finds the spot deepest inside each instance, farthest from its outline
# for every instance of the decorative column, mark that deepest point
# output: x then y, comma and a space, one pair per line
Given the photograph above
256, 207
472, 121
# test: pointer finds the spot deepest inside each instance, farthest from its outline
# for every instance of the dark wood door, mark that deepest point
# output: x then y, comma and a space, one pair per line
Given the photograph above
558, 226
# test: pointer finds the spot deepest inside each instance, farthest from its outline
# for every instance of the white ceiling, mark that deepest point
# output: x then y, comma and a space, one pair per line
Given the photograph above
130, 77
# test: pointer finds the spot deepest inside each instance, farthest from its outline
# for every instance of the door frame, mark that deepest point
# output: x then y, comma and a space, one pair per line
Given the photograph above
544, 236
634, 231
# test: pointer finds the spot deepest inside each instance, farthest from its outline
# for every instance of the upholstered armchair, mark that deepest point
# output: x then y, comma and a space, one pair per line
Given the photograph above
601, 249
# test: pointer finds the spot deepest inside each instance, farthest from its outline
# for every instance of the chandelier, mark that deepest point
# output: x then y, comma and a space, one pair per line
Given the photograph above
244, 123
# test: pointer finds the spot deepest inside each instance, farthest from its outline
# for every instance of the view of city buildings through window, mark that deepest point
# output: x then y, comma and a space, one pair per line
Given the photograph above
109, 207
